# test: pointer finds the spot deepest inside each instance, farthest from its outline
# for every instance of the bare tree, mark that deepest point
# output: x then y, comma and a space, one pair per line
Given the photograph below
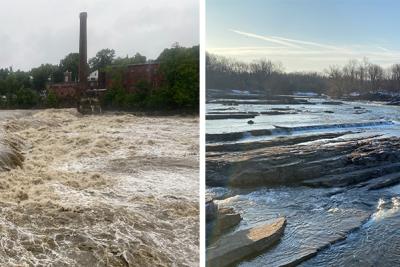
395, 71
375, 75
350, 75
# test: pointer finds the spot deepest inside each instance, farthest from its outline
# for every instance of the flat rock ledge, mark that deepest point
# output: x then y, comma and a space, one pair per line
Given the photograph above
372, 161
240, 245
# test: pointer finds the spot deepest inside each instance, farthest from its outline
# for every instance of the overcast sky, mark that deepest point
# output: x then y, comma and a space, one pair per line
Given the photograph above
44, 31
305, 35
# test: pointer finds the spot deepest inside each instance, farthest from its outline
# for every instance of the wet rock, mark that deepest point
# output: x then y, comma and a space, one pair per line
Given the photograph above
384, 181
332, 103
329, 111
227, 218
223, 116
353, 177
321, 232
245, 243
219, 221
394, 103
250, 122
282, 109
330, 163
211, 210
274, 112
223, 109
235, 136
283, 141
360, 111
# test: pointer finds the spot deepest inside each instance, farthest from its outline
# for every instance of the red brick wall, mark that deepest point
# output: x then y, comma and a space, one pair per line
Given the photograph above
64, 90
134, 74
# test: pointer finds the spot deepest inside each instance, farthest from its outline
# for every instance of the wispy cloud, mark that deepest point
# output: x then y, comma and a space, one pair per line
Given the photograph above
308, 43
286, 41
305, 54
266, 38
383, 49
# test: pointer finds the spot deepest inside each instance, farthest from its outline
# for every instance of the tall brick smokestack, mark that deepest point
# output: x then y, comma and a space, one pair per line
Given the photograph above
83, 69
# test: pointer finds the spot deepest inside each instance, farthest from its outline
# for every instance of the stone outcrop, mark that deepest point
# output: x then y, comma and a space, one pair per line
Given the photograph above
219, 220
245, 243
227, 218
330, 162
211, 210
283, 141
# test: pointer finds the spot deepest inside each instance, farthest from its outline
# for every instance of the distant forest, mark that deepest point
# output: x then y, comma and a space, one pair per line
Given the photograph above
265, 76
179, 67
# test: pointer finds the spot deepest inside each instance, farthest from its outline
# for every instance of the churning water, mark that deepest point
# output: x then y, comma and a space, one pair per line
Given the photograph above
109, 190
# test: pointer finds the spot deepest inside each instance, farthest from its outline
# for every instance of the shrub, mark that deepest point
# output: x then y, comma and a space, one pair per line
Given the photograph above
52, 100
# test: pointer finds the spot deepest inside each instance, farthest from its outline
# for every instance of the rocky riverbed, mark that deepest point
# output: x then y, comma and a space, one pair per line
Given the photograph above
331, 174
107, 190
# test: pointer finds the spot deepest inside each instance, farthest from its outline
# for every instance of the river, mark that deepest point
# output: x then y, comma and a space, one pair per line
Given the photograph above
109, 190
343, 225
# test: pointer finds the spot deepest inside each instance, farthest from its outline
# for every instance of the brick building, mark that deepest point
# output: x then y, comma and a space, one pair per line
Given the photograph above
65, 90
132, 76
136, 74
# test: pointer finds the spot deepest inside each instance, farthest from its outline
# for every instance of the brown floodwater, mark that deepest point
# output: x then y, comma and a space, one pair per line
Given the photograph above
107, 190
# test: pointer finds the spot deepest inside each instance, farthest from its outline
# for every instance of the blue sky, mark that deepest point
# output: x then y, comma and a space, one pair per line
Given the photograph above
305, 35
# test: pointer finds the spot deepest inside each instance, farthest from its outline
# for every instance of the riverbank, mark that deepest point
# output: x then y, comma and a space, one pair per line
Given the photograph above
114, 189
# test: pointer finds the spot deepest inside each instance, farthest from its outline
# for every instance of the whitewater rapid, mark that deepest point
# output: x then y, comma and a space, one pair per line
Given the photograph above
108, 190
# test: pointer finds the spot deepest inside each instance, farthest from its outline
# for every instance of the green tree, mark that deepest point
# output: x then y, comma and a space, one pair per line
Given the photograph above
122, 61
45, 73
102, 59
52, 100
71, 63
115, 93
136, 59
11, 81
27, 98
23, 79
180, 68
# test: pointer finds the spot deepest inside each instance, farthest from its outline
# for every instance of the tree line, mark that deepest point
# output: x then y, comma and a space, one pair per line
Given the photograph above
179, 66
269, 77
